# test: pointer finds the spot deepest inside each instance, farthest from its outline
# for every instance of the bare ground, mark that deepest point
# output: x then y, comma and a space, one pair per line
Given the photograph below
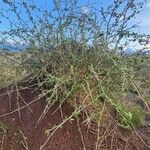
23, 132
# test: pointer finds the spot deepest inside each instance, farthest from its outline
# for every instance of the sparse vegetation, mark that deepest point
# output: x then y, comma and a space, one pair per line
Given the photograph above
78, 60
3, 128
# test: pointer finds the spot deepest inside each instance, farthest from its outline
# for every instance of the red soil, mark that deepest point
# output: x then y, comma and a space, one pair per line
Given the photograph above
68, 137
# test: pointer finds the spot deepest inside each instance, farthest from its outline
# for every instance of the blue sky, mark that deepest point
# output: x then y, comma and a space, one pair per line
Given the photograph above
143, 17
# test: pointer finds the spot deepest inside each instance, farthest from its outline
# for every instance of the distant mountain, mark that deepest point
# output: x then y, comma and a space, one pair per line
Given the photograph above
12, 47
15, 48
148, 52
131, 51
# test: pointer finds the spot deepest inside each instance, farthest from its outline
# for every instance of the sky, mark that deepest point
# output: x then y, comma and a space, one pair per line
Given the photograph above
143, 17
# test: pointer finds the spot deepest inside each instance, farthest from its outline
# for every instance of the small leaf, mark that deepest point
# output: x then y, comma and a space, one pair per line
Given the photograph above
7, 1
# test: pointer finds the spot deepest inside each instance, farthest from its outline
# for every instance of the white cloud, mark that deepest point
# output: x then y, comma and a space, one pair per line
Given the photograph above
147, 46
137, 46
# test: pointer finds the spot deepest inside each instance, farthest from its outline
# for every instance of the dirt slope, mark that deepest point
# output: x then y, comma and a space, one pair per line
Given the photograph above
23, 123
